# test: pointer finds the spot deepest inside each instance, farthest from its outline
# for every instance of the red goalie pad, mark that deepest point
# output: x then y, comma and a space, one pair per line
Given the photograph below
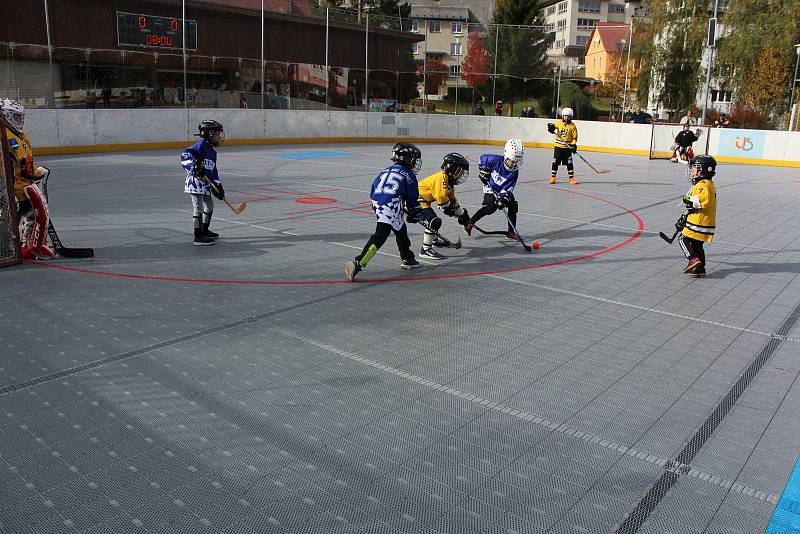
36, 228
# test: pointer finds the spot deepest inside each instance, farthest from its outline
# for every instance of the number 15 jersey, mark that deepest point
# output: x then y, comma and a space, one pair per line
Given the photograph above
390, 188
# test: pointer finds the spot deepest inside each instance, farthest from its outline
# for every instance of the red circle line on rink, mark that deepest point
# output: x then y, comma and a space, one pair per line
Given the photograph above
625, 243
315, 200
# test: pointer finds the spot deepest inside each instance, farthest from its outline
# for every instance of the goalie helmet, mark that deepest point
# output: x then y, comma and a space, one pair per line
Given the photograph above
207, 129
14, 113
701, 167
456, 167
513, 153
408, 155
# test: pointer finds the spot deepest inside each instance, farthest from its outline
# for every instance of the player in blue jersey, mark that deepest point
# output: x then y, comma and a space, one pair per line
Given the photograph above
200, 162
499, 175
393, 188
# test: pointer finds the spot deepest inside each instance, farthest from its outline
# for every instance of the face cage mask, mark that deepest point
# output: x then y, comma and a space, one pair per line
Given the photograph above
209, 136
458, 178
510, 164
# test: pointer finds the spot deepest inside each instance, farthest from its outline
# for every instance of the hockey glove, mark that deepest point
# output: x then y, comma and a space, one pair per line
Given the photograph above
413, 214
199, 169
573, 148
687, 201
484, 175
219, 192
502, 200
551, 127
450, 210
463, 219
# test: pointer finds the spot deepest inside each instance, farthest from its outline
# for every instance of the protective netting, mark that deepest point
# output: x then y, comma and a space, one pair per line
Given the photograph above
9, 244
662, 139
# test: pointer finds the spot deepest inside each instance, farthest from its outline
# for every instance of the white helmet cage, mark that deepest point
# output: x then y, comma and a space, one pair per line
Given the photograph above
513, 153
14, 113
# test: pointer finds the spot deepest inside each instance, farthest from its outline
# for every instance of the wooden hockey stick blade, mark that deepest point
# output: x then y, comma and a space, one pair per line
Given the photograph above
236, 209
595, 169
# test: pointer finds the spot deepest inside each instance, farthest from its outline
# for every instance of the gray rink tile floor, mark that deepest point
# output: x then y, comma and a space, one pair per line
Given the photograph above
248, 388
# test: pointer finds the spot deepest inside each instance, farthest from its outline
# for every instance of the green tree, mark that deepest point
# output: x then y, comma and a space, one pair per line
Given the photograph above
671, 42
758, 56
520, 51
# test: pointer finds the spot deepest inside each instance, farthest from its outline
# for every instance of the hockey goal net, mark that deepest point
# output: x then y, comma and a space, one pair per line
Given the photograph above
662, 139
10, 252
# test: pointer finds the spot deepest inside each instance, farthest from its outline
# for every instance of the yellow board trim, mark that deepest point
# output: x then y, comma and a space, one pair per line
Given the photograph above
130, 147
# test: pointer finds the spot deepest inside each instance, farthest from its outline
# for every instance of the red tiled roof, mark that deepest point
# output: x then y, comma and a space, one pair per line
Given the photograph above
611, 34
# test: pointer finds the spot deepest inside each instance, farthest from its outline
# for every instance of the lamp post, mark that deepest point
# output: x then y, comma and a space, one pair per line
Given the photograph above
712, 39
792, 103
627, 69
555, 71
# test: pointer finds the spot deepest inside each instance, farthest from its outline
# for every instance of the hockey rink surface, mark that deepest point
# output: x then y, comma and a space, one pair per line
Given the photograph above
248, 387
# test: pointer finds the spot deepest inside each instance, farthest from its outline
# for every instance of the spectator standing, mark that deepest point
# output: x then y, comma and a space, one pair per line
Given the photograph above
723, 121
638, 117
689, 119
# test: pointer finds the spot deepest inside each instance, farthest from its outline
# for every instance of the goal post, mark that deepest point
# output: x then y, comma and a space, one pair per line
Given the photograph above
662, 139
10, 251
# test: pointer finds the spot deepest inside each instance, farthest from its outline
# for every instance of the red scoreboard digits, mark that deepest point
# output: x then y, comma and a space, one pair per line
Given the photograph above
151, 31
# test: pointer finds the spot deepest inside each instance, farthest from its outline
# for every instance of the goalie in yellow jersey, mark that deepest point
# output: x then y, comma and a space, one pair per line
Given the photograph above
566, 144
440, 188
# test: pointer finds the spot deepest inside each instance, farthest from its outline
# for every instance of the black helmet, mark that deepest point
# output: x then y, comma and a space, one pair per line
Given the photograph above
456, 167
705, 164
207, 127
408, 155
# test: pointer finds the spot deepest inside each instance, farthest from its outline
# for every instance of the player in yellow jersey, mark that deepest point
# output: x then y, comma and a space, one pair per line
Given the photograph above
701, 221
31, 204
440, 188
566, 144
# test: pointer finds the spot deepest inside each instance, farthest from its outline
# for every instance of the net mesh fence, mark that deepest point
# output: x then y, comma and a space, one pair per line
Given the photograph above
9, 244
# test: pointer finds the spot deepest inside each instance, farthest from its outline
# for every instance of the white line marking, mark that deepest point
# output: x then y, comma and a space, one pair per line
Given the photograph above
555, 426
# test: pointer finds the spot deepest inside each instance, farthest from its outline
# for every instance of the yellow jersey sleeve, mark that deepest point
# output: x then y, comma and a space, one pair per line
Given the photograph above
21, 153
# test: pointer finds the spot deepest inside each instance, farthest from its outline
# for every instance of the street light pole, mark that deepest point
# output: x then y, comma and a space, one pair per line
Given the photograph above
627, 69
711, 45
792, 103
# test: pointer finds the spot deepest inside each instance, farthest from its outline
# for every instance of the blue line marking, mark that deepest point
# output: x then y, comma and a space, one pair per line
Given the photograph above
786, 517
311, 155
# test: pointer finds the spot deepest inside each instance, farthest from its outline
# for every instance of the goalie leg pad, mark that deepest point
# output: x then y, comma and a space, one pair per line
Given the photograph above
36, 231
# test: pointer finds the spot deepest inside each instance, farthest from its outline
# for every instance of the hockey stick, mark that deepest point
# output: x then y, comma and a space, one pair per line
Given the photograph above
679, 224
484, 232
513, 227
457, 245
59, 248
598, 171
236, 209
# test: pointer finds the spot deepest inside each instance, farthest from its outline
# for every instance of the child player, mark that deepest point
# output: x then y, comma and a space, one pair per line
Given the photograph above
200, 162
701, 205
394, 186
565, 145
499, 175
440, 188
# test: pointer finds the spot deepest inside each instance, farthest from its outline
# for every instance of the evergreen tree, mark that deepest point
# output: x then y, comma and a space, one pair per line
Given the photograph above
520, 51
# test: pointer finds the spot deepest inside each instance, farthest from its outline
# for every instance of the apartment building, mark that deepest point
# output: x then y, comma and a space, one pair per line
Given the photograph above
573, 22
446, 32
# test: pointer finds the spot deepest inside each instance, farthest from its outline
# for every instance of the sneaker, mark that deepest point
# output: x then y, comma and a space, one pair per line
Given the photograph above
674, 160
430, 254
203, 241
552, 179
510, 236
210, 234
698, 273
351, 269
441, 243
468, 229
692, 265
573, 181
410, 264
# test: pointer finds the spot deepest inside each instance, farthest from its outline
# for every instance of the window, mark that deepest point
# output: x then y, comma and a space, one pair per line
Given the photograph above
720, 96
616, 8
562, 8
455, 71
558, 44
561, 24
415, 48
589, 6
434, 26
551, 10
455, 49
582, 39
586, 24
456, 27
415, 25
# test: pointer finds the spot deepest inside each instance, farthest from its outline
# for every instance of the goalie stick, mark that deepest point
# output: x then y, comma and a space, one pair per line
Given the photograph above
679, 224
59, 248
236, 209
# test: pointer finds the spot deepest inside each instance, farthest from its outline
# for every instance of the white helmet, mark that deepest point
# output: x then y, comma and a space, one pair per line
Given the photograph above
567, 111
513, 153
14, 113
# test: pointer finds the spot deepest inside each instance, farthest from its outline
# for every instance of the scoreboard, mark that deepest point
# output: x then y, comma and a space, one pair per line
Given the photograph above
150, 31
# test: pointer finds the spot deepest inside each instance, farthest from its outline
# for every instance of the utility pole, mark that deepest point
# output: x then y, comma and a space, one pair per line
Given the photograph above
712, 39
